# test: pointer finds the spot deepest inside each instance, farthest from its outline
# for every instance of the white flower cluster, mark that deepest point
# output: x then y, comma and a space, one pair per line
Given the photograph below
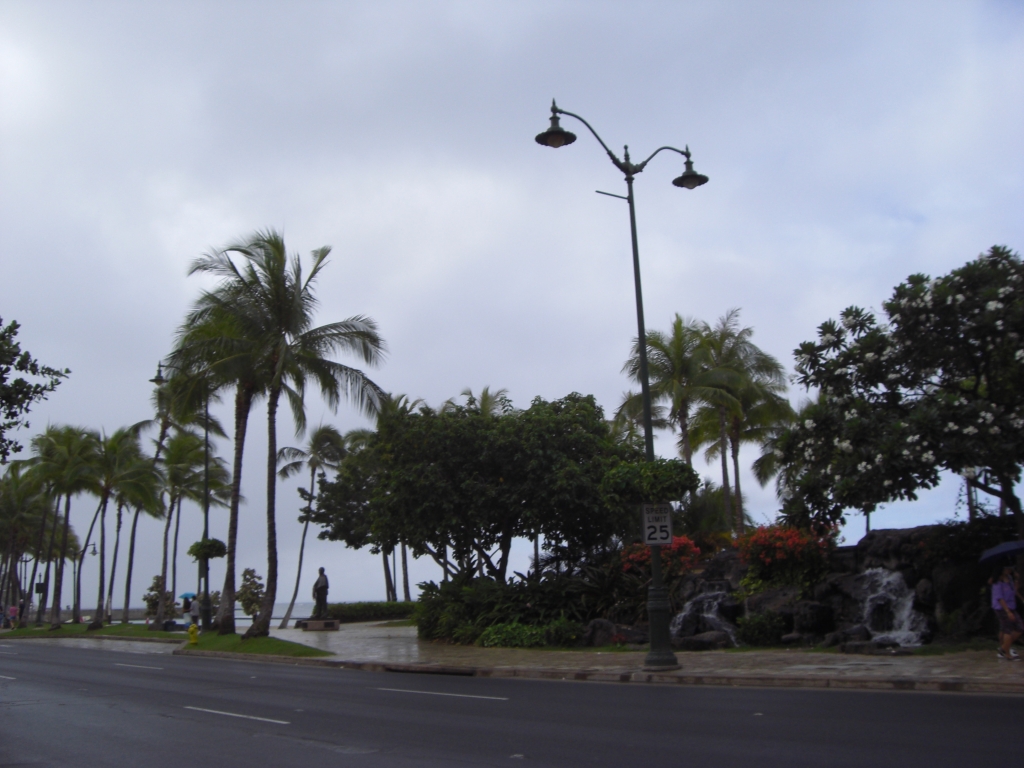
1005, 291
951, 427
970, 430
843, 445
870, 357
993, 430
850, 414
828, 338
1019, 355
992, 306
928, 456
913, 438
809, 424
879, 459
863, 467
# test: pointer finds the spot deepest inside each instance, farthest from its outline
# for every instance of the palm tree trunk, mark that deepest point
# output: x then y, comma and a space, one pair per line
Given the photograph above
684, 432
724, 438
389, 585
261, 623
97, 620
76, 615
405, 575
174, 557
108, 613
302, 547
39, 553
734, 445
161, 606
128, 569
226, 611
49, 557
59, 569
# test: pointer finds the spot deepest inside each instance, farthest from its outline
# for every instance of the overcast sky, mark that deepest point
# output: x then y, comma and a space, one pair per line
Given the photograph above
848, 146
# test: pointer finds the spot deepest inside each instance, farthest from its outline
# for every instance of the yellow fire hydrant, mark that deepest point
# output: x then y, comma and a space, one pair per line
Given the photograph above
193, 634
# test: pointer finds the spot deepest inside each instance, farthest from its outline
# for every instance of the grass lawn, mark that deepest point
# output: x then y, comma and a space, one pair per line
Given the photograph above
256, 645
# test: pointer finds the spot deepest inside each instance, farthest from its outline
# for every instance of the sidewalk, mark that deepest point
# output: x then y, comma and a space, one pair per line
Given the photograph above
383, 648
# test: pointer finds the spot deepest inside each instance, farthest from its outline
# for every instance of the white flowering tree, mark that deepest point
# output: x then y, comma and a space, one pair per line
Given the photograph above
938, 386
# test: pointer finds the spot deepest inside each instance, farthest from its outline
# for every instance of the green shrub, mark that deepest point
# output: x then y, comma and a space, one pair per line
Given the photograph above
370, 611
761, 629
563, 632
514, 635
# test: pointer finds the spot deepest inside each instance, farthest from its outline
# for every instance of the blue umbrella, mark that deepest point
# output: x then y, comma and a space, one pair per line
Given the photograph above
189, 595
1002, 550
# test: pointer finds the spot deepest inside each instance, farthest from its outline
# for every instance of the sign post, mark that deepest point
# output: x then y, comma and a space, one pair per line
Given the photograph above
657, 525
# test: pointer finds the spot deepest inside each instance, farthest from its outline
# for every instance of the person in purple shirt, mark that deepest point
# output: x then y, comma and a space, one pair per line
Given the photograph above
1004, 603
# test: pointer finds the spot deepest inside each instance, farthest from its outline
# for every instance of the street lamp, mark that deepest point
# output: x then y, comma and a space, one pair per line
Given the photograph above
660, 656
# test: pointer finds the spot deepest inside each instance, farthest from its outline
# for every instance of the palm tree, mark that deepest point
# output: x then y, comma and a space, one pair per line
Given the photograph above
268, 304
682, 375
31, 482
755, 378
65, 461
120, 470
22, 505
489, 403
325, 450
142, 492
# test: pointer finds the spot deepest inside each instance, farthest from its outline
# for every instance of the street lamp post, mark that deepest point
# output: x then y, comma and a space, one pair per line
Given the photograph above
660, 656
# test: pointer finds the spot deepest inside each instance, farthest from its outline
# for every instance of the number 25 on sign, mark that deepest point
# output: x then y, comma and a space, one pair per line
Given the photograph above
657, 524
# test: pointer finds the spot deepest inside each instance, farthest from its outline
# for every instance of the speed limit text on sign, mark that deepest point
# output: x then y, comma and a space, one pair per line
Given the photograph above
657, 524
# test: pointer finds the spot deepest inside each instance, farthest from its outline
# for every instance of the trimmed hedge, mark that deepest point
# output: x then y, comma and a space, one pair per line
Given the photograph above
352, 612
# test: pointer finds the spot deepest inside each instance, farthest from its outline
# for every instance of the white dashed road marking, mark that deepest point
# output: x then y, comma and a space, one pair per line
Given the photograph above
435, 693
235, 714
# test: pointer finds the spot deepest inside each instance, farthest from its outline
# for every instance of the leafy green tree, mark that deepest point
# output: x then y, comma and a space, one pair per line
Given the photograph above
325, 450
268, 304
459, 485
23, 382
939, 385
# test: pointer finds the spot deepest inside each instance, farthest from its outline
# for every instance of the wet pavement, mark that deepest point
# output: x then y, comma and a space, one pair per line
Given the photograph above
383, 646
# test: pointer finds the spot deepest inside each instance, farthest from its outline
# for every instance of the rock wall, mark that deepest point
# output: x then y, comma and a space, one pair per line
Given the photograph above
876, 594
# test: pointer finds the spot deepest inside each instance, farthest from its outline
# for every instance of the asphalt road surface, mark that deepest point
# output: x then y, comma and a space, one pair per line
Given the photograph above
66, 706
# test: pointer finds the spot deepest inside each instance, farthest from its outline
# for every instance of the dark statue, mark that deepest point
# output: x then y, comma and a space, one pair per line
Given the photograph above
320, 588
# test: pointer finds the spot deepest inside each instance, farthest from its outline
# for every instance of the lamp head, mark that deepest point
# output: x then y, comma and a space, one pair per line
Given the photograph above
159, 379
555, 136
690, 178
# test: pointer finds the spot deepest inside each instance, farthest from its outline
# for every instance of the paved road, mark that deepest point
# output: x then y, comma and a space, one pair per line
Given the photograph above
124, 706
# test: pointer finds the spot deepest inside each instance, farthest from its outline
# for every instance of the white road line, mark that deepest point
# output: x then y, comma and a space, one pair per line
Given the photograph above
8, 653
435, 693
235, 714
5, 677
134, 666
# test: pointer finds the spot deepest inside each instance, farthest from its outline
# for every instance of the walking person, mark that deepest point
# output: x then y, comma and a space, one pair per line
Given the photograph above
1004, 603
193, 610
320, 588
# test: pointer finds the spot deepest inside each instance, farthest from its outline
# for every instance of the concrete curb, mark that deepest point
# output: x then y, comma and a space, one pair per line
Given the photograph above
60, 636
937, 685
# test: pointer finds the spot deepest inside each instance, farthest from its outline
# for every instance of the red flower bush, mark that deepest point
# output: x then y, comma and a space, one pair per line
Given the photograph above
779, 554
676, 560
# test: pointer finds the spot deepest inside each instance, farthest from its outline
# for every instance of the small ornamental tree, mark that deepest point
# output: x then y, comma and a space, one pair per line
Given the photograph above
250, 594
938, 385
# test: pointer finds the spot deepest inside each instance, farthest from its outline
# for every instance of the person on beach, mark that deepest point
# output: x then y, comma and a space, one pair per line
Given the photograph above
320, 588
1004, 603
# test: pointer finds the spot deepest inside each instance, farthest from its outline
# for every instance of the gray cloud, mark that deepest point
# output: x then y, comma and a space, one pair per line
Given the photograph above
848, 146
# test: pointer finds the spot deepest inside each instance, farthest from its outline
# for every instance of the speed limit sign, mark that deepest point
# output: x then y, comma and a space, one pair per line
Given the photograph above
657, 524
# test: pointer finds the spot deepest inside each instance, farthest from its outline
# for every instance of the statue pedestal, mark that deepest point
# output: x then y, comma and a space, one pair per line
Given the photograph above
318, 625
